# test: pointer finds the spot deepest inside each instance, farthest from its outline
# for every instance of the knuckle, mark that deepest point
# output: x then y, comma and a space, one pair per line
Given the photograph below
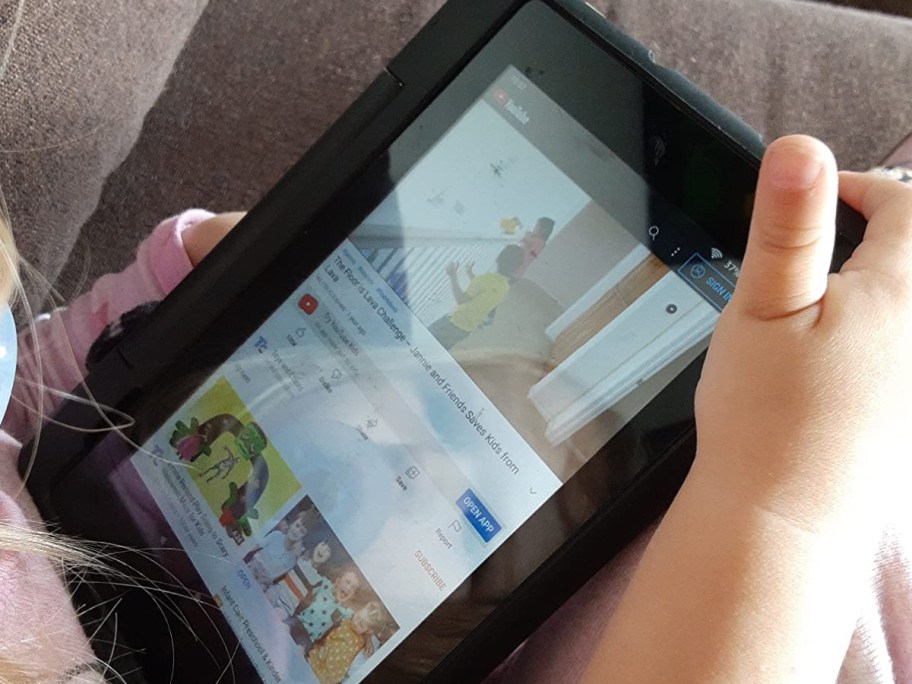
782, 233
894, 287
901, 204
882, 192
896, 188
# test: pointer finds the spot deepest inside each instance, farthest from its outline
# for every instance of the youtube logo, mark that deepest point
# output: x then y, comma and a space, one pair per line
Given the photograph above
308, 304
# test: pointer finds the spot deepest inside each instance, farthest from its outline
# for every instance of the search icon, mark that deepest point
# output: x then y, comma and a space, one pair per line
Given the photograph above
653, 232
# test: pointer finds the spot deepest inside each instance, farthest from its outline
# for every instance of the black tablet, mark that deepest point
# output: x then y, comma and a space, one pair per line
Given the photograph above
434, 380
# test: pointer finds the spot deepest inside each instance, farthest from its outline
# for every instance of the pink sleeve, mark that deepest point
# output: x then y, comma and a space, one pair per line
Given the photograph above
52, 354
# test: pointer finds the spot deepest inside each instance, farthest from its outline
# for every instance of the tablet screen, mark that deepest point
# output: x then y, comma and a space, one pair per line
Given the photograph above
488, 327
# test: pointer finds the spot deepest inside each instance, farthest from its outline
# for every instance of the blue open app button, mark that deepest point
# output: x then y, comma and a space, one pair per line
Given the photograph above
478, 515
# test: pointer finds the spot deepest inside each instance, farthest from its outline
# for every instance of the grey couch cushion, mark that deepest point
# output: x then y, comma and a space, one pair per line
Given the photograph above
254, 87
76, 81
790, 67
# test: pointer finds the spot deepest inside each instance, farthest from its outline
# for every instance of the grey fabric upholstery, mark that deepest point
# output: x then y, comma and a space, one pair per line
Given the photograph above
252, 90
256, 83
790, 67
76, 81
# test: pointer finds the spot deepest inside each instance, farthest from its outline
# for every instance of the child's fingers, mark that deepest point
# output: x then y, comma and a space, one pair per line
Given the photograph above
887, 204
200, 238
791, 238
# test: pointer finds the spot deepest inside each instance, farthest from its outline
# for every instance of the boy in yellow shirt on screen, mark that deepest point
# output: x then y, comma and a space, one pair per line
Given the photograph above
479, 299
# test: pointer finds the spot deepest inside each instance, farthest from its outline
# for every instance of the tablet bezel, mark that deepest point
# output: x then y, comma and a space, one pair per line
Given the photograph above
576, 43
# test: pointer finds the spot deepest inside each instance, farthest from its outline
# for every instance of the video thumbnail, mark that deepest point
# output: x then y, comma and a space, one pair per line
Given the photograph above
237, 470
331, 611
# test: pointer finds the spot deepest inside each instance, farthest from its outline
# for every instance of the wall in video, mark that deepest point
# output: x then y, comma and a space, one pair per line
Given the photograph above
566, 321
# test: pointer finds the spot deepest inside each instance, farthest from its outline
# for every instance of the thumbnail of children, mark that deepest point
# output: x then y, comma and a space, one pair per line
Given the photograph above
279, 551
238, 472
332, 612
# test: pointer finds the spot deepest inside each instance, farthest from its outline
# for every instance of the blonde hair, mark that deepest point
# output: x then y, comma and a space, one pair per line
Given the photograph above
375, 614
64, 555
9, 262
32, 539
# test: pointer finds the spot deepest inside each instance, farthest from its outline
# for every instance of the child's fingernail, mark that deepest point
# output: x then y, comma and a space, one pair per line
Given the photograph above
793, 167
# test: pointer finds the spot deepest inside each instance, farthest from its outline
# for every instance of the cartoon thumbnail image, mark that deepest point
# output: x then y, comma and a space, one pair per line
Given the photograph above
239, 473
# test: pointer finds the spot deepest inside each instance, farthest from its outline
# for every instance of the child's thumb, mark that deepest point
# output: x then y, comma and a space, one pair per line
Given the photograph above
790, 245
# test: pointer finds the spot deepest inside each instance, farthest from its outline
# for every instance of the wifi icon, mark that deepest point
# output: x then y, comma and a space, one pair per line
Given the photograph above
716, 253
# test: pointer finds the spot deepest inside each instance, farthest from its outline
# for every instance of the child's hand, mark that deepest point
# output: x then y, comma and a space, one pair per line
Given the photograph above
754, 571
200, 238
808, 375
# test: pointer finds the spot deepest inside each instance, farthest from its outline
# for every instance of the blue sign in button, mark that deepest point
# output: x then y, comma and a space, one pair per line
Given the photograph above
702, 276
478, 516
